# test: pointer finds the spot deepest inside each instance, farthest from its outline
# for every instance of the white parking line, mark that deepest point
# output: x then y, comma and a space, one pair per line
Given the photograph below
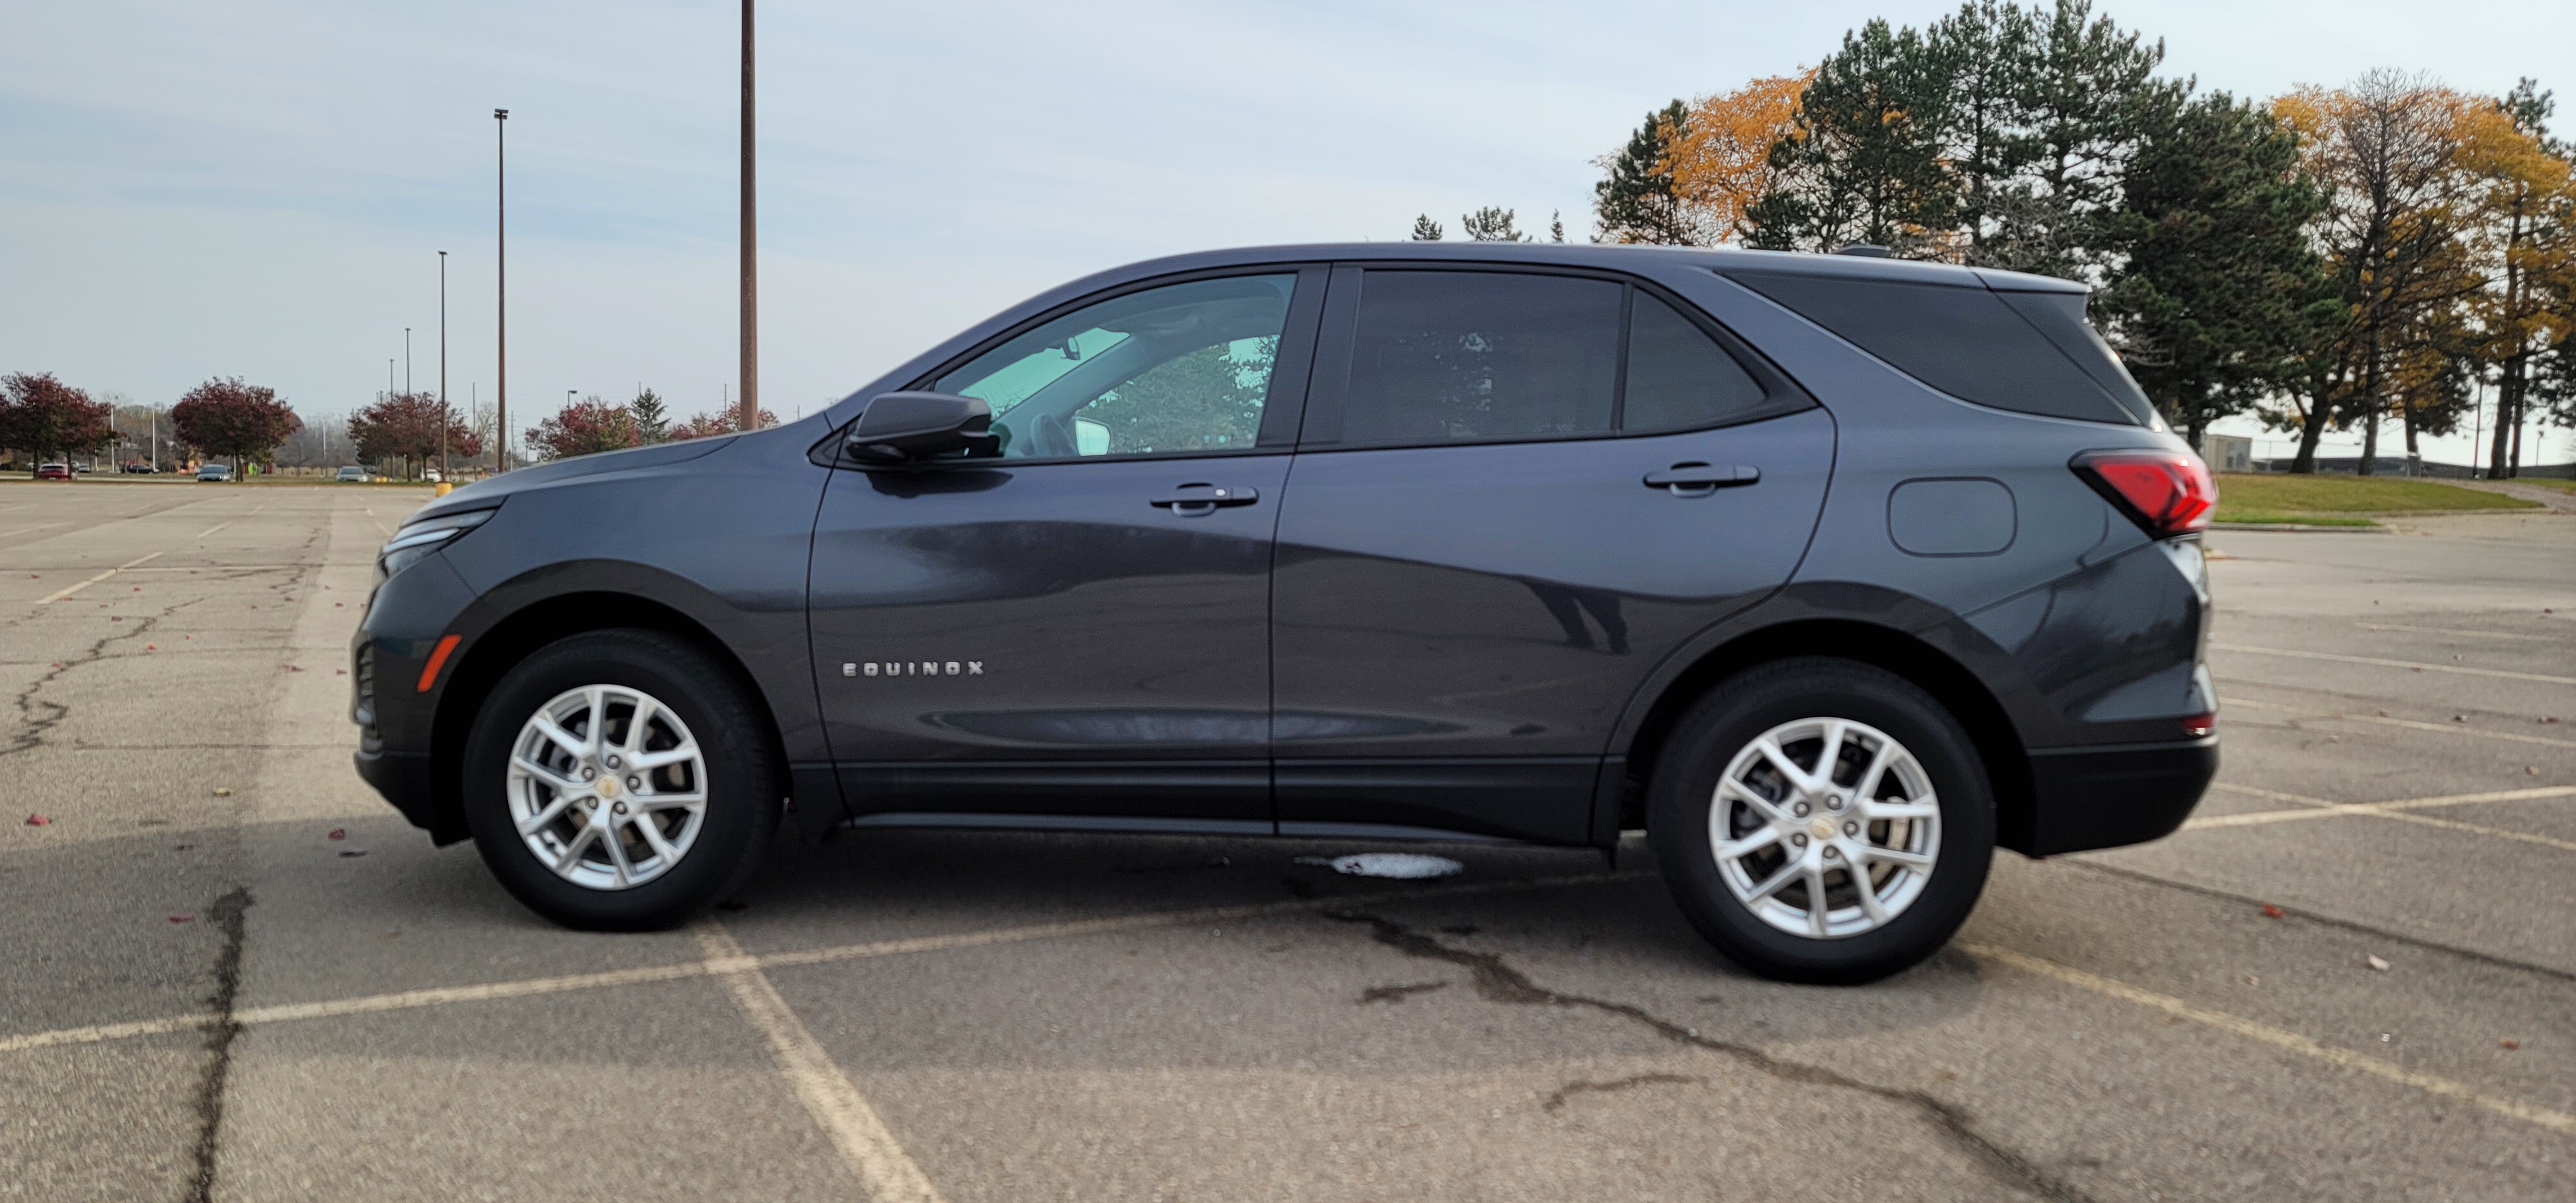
100, 577
2408, 723
868, 1147
2414, 664
2390, 626
2286, 1041
2320, 808
526, 987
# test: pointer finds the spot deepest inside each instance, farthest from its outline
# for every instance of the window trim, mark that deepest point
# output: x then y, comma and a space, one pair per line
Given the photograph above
1281, 408
1338, 340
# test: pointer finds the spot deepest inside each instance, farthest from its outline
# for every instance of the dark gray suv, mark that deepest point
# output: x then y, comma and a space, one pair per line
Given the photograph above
1831, 573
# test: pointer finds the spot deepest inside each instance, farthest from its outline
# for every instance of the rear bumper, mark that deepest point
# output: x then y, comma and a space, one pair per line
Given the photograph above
2105, 797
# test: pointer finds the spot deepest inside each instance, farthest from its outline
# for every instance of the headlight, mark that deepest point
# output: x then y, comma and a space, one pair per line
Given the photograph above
414, 542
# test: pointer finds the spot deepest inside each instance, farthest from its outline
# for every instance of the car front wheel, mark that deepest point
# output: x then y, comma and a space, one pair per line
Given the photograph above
620, 781
1823, 821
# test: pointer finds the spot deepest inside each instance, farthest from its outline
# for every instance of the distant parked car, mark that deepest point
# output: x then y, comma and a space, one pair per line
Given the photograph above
353, 474
81, 466
137, 468
53, 471
214, 472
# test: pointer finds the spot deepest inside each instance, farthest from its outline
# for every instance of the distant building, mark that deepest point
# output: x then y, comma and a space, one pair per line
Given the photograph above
2227, 452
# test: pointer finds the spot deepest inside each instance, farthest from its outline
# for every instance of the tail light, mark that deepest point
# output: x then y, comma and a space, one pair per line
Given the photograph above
2167, 492
2199, 725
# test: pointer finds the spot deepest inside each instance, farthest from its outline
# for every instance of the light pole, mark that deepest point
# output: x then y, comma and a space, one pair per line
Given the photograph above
750, 245
406, 359
445, 471
500, 278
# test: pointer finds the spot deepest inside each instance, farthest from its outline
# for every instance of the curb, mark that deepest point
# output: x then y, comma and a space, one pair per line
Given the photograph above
2301, 528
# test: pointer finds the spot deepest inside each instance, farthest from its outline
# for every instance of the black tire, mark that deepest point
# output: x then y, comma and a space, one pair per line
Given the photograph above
741, 785
1729, 721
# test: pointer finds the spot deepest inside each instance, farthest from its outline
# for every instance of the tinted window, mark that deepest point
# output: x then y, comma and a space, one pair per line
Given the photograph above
1185, 367
1449, 356
1968, 342
1678, 376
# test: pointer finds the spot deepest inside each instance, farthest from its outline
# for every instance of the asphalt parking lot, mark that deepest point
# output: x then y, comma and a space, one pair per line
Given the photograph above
2352, 976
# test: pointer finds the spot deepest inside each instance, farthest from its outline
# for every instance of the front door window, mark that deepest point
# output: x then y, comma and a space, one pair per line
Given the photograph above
1181, 369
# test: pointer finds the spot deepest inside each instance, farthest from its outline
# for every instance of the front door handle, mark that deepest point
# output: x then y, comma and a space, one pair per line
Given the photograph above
1202, 499
1699, 480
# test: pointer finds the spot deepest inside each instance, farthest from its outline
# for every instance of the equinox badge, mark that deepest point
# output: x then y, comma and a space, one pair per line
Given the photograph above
915, 668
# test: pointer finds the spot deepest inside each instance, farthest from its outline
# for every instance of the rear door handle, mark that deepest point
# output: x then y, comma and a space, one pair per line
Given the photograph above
1700, 480
1200, 500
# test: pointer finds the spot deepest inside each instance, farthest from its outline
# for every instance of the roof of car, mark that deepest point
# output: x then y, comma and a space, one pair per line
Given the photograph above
1615, 256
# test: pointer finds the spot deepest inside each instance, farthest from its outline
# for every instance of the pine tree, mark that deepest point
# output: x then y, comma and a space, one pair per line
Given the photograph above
2221, 294
1490, 224
1863, 161
652, 421
1425, 229
1555, 226
1634, 202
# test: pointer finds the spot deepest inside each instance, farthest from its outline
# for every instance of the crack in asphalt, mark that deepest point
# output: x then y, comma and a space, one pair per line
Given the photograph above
33, 724
1556, 1101
1397, 994
227, 916
2381, 933
1498, 982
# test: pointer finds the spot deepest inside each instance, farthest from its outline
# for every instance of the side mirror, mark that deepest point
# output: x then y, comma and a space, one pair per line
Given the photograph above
904, 428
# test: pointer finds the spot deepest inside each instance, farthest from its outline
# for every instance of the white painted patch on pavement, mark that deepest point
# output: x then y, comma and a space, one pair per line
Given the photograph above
2408, 723
866, 1144
100, 577
2320, 808
1401, 866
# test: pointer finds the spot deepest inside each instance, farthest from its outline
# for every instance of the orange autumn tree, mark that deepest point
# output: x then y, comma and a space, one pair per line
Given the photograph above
1720, 159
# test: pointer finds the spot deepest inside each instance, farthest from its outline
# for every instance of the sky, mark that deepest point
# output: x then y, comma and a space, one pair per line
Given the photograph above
260, 187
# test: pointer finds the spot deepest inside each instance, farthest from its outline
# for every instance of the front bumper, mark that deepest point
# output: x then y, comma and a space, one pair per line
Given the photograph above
403, 779
2105, 797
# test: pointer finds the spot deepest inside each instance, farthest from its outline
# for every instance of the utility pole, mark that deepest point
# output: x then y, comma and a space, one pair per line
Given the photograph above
501, 278
445, 471
750, 418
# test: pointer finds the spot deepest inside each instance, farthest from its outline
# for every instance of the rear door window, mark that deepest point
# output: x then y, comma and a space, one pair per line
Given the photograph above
1460, 356
2028, 352
1473, 356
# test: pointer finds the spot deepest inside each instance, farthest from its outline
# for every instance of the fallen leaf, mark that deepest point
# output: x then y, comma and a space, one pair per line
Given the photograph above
2376, 963
2531, 770
2272, 912
353, 852
181, 847
2508, 1044
223, 791
39, 821
183, 918
151, 647
2459, 718
338, 833
2252, 980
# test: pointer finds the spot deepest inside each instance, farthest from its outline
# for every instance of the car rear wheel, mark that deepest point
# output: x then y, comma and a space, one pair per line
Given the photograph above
620, 781
1822, 820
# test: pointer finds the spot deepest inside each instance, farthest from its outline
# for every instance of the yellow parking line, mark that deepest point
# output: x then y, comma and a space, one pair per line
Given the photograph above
867, 1145
2286, 1041
2414, 664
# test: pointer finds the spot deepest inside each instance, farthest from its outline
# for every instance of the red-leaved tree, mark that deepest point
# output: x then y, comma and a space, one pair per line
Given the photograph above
225, 417
406, 426
47, 418
585, 427
722, 421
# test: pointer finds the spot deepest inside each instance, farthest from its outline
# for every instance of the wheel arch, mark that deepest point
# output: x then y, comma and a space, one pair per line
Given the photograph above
1954, 685
521, 632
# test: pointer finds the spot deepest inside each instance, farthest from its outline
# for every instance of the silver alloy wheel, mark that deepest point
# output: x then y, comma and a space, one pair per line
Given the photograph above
607, 786
1825, 827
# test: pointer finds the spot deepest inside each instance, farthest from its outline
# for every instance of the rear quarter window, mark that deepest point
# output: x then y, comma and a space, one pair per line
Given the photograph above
2027, 352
